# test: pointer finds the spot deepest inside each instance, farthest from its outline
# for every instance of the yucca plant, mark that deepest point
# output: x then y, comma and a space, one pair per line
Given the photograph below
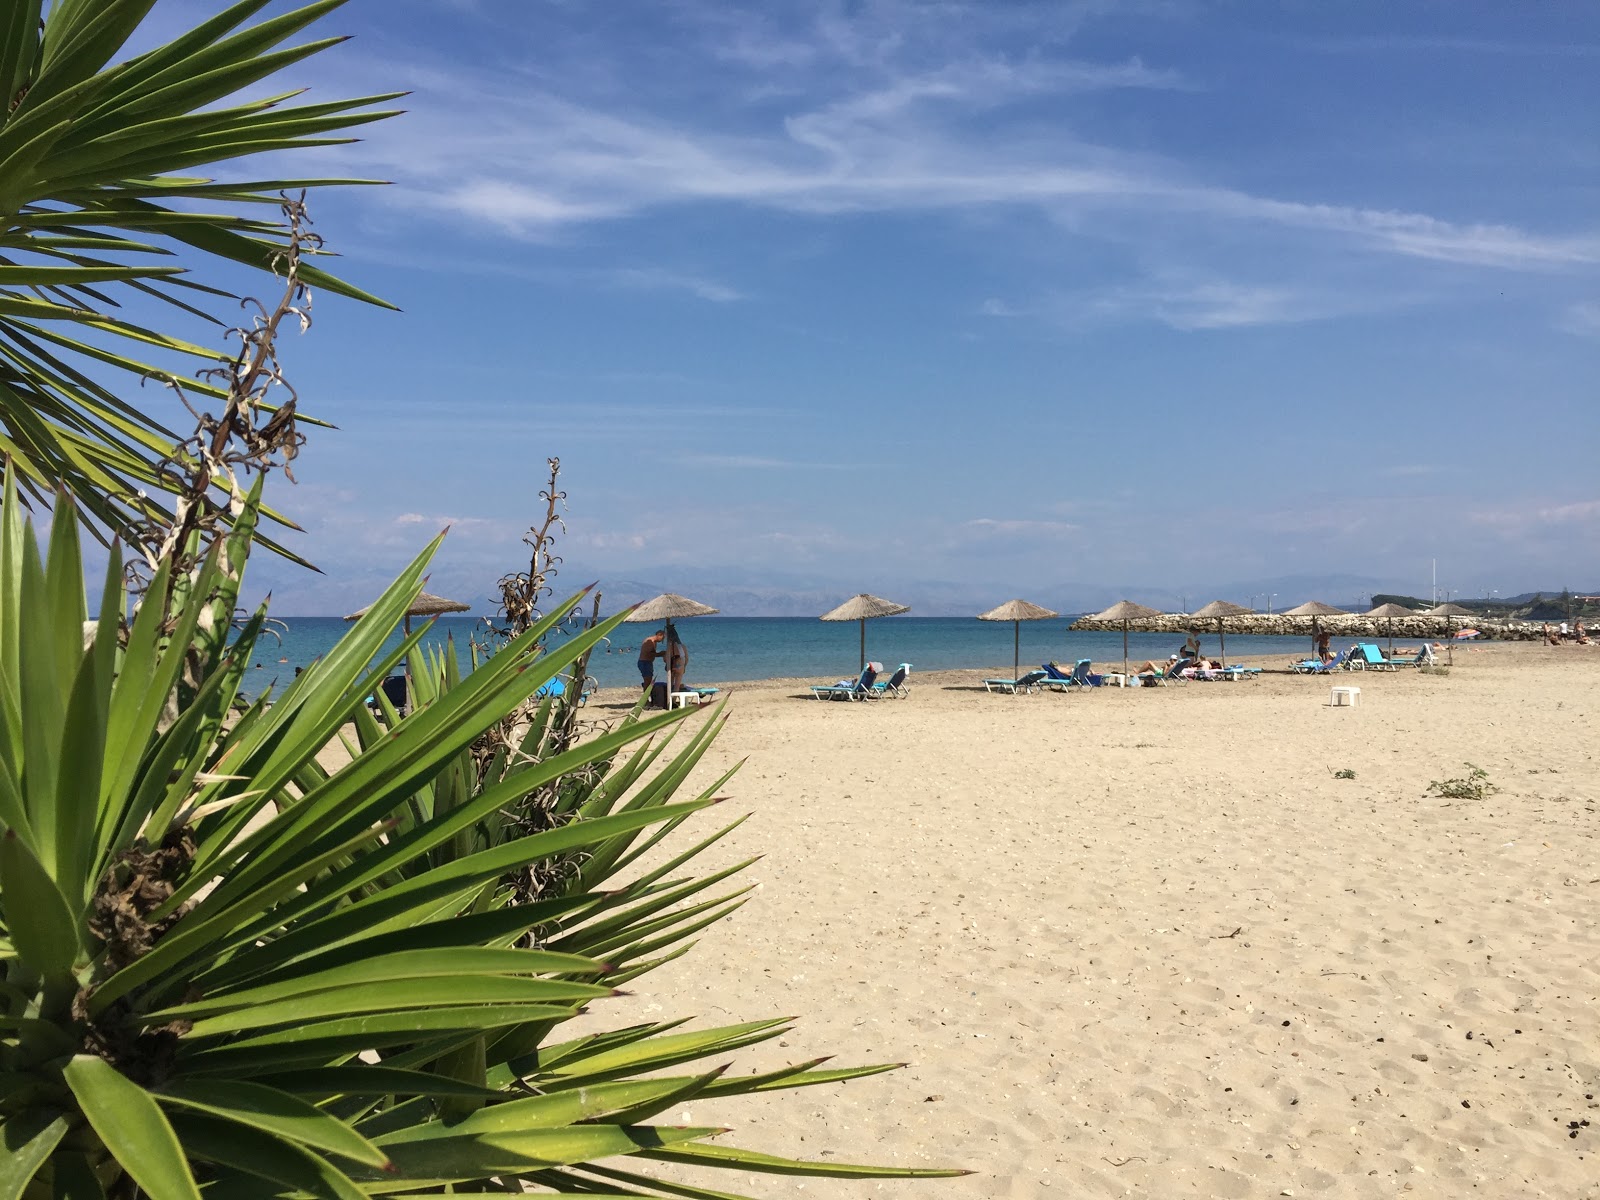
98, 191
228, 968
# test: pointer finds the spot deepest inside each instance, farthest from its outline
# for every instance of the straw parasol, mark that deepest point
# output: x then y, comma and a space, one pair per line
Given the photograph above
669, 606
665, 609
1446, 611
1125, 611
1391, 611
1222, 609
1315, 609
1017, 611
864, 608
425, 605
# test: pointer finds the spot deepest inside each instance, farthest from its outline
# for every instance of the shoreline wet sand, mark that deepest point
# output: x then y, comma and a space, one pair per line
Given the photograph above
1150, 943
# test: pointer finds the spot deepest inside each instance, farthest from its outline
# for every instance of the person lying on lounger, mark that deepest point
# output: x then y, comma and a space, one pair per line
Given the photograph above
1173, 666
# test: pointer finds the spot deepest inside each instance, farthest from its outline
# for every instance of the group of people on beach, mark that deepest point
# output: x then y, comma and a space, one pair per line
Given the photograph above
1574, 634
664, 644
1188, 656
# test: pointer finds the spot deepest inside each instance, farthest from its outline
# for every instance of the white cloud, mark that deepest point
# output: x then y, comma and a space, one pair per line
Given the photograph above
993, 527
994, 307
1194, 303
658, 279
928, 136
1411, 470
1582, 510
759, 463
1414, 234
1212, 305
1582, 319
1579, 515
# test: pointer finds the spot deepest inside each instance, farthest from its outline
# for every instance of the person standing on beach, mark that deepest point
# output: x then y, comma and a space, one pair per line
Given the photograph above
1191, 648
677, 656
1323, 640
649, 651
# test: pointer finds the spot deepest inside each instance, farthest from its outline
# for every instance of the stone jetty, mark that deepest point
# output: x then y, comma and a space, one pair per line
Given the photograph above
1353, 625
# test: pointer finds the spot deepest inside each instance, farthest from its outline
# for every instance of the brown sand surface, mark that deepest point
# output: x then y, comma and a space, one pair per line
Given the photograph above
1145, 943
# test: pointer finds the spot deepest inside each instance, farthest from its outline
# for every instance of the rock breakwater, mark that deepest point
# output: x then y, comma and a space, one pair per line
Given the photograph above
1419, 626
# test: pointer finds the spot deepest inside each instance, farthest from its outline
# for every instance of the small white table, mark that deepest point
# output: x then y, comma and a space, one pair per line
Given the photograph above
1344, 697
682, 699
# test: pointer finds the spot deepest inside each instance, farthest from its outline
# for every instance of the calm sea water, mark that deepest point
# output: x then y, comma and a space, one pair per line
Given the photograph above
730, 649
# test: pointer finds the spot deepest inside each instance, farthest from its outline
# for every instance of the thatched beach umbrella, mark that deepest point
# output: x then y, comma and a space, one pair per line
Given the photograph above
425, 605
1446, 611
1125, 611
1315, 609
1391, 611
665, 609
1221, 610
864, 608
1017, 611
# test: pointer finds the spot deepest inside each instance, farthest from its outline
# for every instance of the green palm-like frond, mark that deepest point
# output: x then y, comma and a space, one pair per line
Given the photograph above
225, 967
97, 195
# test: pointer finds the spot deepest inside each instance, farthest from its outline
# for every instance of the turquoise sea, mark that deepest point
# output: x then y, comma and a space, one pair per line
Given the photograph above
732, 649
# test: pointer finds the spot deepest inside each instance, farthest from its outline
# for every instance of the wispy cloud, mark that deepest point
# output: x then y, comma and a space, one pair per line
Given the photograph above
1212, 305
869, 126
1512, 517
1411, 470
990, 527
751, 462
1453, 45
653, 279
1582, 319
1191, 303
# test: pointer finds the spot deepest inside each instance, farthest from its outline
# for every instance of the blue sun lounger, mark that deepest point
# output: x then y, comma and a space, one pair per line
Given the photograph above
1371, 659
1084, 677
1011, 687
894, 686
1312, 666
845, 689
1059, 680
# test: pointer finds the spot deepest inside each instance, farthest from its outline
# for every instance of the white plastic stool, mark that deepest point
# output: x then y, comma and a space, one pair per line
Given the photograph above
683, 699
1343, 697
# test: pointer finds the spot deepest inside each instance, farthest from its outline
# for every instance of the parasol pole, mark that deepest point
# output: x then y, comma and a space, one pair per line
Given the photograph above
1016, 649
1222, 638
1124, 650
863, 623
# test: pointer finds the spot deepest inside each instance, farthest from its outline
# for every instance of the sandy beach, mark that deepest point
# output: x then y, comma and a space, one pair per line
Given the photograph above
1147, 943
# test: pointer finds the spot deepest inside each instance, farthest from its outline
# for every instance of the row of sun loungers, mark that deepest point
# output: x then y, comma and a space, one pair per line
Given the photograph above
866, 686
1049, 677
1363, 656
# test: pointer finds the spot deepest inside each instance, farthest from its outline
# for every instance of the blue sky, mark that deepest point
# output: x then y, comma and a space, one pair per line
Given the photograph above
1027, 298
